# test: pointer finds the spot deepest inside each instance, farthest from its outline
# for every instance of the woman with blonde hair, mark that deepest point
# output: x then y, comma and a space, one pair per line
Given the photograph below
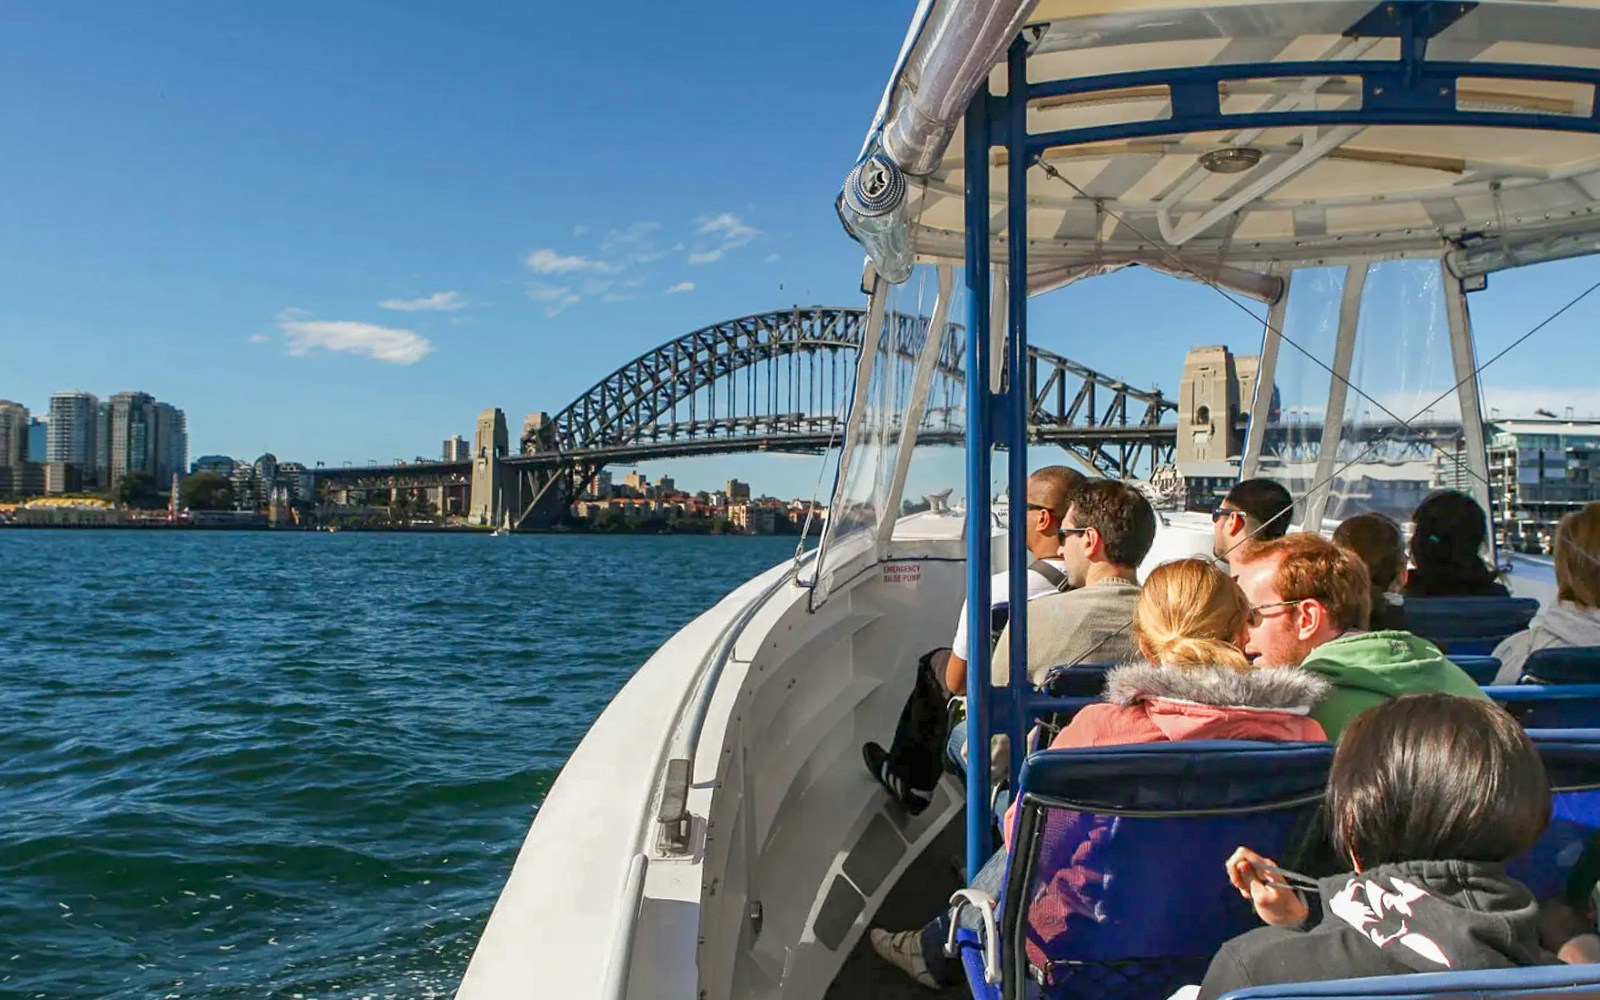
1574, 620
1197, 683
1190, 626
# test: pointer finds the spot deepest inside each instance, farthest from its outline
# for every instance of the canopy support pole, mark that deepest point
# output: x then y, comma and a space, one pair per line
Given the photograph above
978, 515
1014, 420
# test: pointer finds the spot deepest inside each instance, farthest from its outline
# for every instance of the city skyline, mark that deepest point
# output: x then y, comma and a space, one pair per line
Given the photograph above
346, 273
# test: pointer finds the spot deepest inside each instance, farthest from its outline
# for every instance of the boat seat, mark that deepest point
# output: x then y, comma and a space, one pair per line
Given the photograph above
1104, 831
1480, 668
1563, 665
1572, 760
1468, 625
1550, 706
1537, 982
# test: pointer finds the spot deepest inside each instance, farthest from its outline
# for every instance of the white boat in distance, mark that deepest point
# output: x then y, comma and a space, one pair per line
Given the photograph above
1348, 172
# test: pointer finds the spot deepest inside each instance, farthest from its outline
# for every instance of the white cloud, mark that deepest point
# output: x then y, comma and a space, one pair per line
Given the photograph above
259, 338
635, 239
682, 286
617, 297
773, 258
730, 233
580, 231
547, 261
381, 343
438, 301
1522, 400
547, 293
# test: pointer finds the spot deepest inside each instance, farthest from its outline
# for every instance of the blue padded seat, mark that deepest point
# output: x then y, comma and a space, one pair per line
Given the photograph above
1550, 706
1572, 761
1538, 982
1468, 625
1081, 680
1480, 668
1563, 665
1108, 836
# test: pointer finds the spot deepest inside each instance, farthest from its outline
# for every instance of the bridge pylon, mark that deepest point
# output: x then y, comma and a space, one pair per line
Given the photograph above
490, 476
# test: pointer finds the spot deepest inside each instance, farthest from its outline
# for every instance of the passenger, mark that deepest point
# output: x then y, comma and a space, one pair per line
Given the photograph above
1574, 620
1448, 531
910, 768
1430, 795
1254, 510
1106, 534
1310, 603
1195, 684
1375, 539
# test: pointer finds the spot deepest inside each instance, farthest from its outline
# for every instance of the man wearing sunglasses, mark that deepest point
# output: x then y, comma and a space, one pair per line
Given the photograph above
911, 765
1254, 510
1310, 602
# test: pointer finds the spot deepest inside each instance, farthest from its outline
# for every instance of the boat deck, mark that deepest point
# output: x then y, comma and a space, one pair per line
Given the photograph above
922, 891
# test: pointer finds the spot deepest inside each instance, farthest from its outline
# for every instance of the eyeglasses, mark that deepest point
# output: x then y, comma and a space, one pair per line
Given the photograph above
1256, 617
1062, 533
1222, 512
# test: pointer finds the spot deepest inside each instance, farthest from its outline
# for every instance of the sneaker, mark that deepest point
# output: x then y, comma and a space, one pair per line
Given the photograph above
904, 952
912, 800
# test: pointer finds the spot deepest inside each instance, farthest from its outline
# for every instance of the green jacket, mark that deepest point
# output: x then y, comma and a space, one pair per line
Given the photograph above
1368, 668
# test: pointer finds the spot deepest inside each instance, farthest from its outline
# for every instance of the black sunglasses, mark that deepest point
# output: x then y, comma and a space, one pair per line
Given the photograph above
1222, 512
1062, 533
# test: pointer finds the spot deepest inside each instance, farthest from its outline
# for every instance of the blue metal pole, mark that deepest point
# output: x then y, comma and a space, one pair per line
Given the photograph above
1016, 401
978, 444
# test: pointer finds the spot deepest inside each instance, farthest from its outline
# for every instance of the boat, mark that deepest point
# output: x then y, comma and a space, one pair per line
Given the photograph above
505, 526
1348, 173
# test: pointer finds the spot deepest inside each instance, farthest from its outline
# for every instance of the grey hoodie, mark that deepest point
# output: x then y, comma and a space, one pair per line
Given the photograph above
1563, 624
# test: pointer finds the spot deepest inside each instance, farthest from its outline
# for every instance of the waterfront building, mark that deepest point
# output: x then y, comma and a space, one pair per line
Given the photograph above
62, 477
145, 435
74, 433
249, 492
296, 482
599, 485
1540, 470
13, 433
38, 439
666, 484
637, 483
737, 491
457, 449
222, 465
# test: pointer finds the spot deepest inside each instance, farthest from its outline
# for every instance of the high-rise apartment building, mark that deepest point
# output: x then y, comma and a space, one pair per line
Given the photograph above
74, 433
38, 439
13, 434
145, 436
457, 449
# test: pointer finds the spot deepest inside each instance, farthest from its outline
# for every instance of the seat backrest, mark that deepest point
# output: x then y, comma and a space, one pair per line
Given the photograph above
1081, 680
1480, 668
1108, 838
1536, 982
1563, 665
1468, 625
1563, 856
1550, 706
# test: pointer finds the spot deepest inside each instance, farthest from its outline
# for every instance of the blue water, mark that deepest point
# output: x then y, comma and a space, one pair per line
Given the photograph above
251, 764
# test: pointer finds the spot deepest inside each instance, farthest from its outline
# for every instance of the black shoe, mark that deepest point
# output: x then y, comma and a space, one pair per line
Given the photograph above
912, 800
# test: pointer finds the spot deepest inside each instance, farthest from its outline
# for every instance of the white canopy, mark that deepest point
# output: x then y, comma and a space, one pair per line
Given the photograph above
1491, 196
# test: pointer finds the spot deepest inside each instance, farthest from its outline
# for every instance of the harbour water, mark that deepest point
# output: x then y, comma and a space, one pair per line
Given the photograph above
299, 765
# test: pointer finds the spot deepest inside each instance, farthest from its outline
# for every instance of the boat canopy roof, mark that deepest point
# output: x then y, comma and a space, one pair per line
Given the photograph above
1231, 138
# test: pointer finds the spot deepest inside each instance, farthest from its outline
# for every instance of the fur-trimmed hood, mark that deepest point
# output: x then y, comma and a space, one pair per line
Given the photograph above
1287, 689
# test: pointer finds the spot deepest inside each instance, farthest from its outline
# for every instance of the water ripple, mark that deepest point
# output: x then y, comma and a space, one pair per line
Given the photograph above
242, 765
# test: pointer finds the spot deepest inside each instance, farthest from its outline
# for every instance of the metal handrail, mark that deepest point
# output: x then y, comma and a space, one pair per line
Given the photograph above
672, 818
620, 963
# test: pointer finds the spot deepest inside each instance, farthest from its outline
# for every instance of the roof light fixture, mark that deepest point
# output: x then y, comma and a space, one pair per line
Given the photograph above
1230, 159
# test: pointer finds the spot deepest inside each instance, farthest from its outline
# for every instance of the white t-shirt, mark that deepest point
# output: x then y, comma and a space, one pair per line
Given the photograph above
1000, 593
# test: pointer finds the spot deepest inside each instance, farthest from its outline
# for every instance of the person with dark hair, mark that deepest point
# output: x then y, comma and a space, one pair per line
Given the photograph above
1429, 795
1255, 509
1106, 534
1376, 541
1448, 533
1311, 604
911, 765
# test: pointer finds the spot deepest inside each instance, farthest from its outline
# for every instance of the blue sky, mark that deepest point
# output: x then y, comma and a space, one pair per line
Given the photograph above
338, 231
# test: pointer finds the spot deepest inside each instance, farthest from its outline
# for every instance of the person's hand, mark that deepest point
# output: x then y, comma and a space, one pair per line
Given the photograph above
1279, 907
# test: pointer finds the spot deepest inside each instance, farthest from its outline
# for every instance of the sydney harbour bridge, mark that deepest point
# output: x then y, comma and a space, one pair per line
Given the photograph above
778, 382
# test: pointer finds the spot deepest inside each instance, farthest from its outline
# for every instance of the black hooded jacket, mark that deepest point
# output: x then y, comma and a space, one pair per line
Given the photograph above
1414, 916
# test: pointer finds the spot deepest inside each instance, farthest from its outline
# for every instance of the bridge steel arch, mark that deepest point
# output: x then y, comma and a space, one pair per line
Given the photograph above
779, 381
